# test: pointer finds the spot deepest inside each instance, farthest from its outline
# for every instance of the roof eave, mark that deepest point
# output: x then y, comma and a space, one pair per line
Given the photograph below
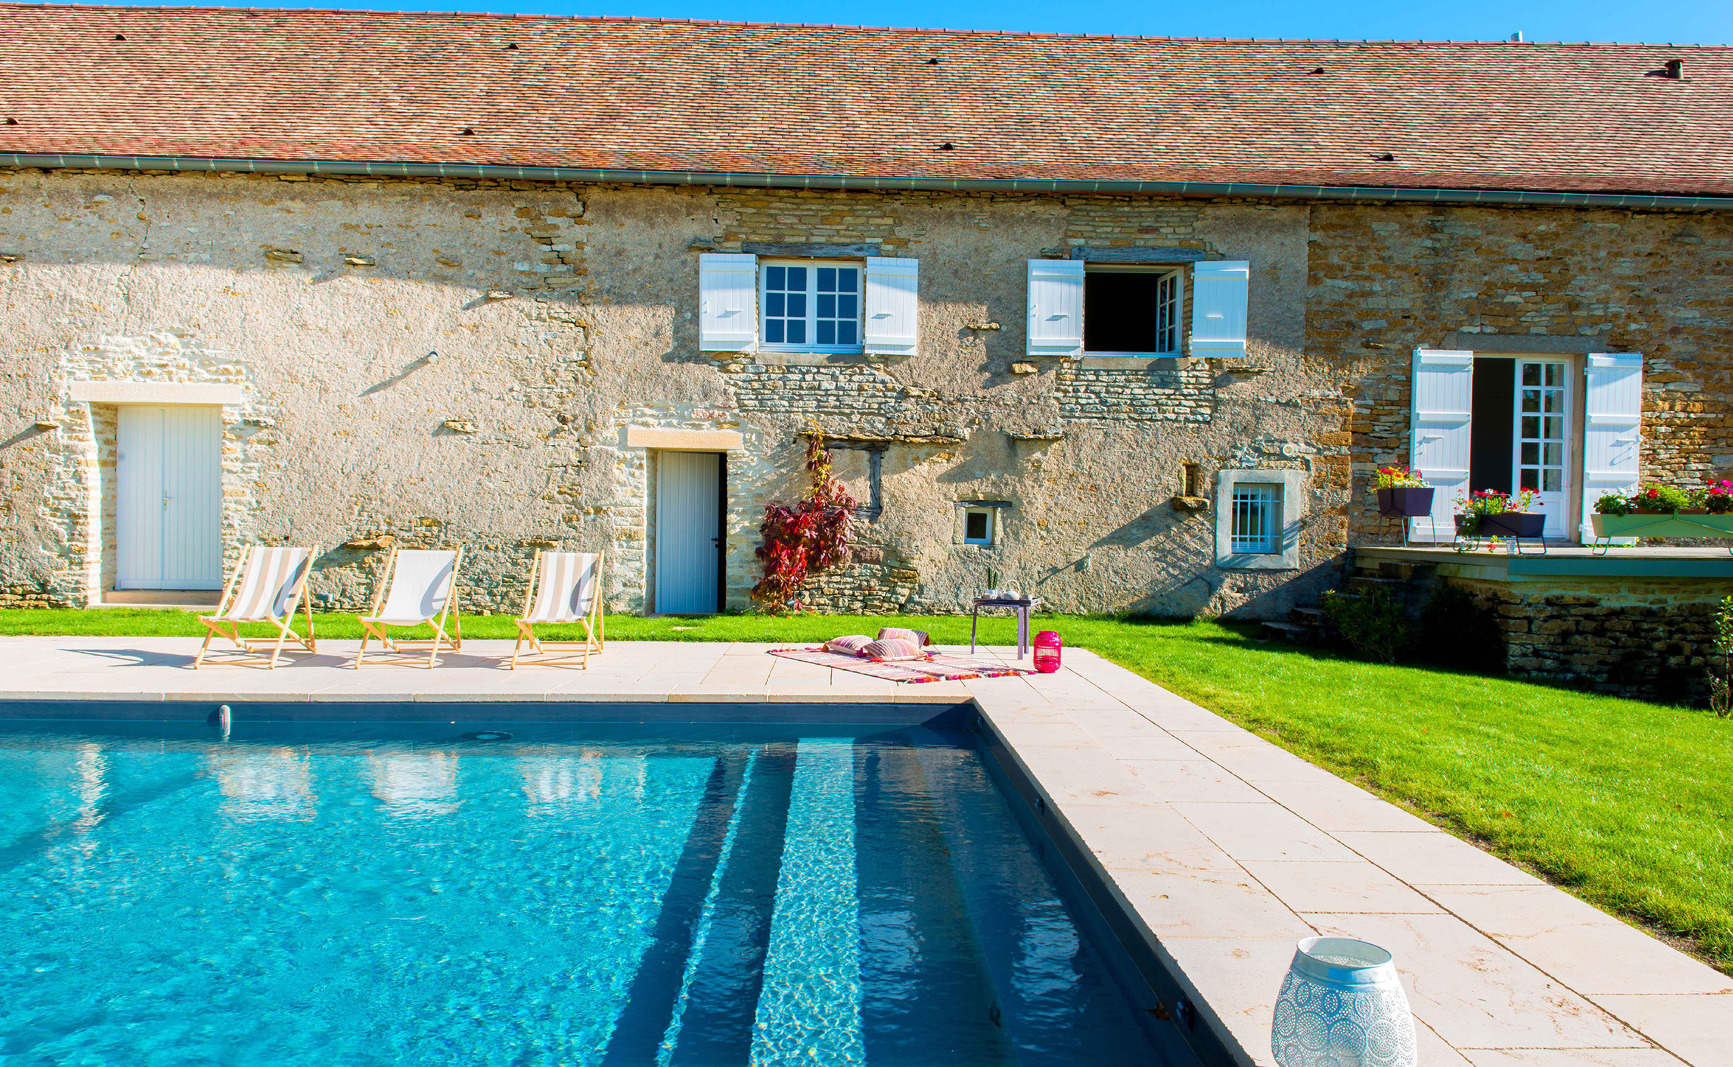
473, 171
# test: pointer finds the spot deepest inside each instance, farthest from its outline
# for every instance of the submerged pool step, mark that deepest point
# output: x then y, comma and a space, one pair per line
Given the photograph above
809, 1010
713, 1023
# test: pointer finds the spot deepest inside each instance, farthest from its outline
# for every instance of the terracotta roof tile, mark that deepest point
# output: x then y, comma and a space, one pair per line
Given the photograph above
671, 95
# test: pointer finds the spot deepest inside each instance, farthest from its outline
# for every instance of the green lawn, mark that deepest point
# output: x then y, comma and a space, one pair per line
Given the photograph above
1622, 802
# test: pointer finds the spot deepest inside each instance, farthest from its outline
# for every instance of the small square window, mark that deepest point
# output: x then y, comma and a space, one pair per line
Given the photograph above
1257, 519
978, 526
1131, 310
812, 305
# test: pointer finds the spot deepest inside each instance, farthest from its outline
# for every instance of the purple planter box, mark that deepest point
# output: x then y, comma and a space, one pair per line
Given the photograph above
1405, 502
1512, 524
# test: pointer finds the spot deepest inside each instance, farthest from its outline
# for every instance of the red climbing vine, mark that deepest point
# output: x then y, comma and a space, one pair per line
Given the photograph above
806, 537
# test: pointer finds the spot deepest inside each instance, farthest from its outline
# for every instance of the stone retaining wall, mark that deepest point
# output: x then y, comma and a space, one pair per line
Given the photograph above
1642, 638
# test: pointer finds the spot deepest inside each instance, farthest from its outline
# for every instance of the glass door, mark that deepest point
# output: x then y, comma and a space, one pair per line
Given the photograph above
1542, 428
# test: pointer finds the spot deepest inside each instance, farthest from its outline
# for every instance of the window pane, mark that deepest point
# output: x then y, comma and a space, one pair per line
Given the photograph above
1531, 400
1554, 455
1530, 454
827, 279
846, 306
845, 333
774, 303
797, 278
1555, 427
975, 526
796, 331
773, 331
1555, 373
826, 306
1531, 425
1555, 400
775, 277
1530, 479
1552, 480
1531, 374
826, 331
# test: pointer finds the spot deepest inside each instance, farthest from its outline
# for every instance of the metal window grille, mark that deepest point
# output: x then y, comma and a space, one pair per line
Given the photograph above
1256, 518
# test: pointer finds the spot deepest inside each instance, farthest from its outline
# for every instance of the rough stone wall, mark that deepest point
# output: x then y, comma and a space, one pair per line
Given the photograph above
1637, 638
456, 363
1386, 279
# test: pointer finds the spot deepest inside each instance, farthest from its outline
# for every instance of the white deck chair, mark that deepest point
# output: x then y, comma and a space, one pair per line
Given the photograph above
419, 587
267, 586
565, 587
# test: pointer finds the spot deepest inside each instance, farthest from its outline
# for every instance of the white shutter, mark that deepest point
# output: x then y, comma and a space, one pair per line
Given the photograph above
727, 302
1218, 308
892, 305
1612, 428
1055, 307
1441, 404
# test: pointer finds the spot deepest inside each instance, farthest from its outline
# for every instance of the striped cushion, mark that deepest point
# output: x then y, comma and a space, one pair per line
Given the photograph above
919, 637
848, 646
893, 649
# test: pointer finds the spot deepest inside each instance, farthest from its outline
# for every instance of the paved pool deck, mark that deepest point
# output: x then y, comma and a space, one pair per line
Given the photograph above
1226, 848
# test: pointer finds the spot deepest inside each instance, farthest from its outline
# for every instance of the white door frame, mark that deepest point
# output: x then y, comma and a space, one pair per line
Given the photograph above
168, 497
682, 555
1554, 504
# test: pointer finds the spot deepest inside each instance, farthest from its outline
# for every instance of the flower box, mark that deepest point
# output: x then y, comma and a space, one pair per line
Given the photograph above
1527, 524
1405, 502
1663, 524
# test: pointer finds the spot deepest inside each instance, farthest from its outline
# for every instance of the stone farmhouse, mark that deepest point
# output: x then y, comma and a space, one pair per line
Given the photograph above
1129, 321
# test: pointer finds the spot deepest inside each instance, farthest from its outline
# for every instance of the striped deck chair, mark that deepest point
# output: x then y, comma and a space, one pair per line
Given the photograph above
419, 588
267, 586
565, 587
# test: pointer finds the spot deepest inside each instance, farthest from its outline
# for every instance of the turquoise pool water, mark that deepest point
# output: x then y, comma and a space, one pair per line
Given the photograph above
382, 894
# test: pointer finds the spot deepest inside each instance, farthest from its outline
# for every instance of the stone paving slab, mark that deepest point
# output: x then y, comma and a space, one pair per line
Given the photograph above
1224, 848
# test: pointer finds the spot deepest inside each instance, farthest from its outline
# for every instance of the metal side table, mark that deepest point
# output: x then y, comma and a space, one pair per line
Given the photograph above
1022, 607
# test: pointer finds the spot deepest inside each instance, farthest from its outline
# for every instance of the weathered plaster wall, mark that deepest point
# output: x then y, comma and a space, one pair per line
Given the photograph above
455, 362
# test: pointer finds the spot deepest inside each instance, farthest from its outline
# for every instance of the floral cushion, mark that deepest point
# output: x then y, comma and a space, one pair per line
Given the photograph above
919, 637
848, 646
892, 649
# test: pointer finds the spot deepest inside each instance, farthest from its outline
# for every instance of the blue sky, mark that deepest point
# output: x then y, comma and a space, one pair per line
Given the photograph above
1681, 21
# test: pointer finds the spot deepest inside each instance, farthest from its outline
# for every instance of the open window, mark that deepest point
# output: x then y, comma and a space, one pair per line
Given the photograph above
1131, 310
977, 526
1079, 308
980, 522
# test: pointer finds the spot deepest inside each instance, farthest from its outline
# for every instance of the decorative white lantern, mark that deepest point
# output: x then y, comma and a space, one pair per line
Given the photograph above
1342, 1005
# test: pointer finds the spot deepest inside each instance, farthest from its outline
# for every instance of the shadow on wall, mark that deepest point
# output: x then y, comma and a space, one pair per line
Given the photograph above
1302, 587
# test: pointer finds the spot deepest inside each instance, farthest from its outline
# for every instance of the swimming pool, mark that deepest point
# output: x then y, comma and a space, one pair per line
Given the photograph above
523, 894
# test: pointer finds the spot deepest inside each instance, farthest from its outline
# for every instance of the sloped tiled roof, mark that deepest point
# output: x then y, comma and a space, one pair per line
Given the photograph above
828, 100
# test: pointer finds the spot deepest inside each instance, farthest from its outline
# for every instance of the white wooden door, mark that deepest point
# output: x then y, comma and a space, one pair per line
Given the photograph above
688, 532
1442, 403
1612, 429
1541, 461
169, 498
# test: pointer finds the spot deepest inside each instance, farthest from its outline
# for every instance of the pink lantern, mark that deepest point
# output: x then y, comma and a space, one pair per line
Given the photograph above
1047, 646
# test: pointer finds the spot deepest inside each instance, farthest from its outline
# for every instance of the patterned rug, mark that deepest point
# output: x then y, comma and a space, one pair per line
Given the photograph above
941, 668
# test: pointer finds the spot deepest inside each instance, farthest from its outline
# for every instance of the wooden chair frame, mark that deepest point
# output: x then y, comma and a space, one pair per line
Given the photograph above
268, 648
371, 629
595, 625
